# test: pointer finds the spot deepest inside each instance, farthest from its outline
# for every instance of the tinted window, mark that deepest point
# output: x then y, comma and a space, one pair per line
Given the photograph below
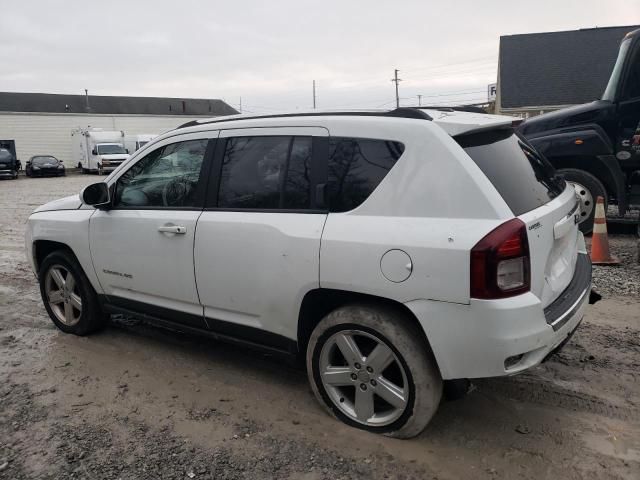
524, 178
266, 173
632, 81
356, 167
166, 177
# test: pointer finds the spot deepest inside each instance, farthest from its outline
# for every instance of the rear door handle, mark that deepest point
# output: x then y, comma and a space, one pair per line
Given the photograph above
173, 229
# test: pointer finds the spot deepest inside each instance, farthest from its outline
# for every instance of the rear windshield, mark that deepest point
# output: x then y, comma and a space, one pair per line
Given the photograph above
524, 178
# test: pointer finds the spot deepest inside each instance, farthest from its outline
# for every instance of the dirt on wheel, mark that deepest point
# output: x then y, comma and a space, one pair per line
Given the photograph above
135, 401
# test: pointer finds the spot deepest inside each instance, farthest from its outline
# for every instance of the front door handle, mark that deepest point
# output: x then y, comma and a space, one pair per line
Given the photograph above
173, 229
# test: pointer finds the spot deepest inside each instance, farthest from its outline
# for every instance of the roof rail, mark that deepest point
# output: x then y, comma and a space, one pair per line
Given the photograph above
454, 108
402, 112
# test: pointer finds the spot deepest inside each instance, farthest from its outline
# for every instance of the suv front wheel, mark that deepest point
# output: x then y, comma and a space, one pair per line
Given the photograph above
68, 297
370, 368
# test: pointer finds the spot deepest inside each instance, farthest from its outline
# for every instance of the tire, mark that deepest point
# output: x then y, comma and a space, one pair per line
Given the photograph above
592, 188
412, 365
90, 317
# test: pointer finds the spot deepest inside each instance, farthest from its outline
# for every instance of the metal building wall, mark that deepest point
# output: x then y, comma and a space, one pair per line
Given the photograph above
37, 134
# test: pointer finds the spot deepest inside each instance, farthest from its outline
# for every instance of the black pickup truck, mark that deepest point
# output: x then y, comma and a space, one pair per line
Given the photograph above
596, 146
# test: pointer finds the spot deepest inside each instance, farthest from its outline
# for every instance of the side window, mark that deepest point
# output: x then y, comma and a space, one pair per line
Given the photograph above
166, 177
632, 82
266, 173
356, 168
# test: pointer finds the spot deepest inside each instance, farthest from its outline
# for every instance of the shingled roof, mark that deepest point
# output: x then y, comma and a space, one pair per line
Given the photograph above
57, 103
557, 68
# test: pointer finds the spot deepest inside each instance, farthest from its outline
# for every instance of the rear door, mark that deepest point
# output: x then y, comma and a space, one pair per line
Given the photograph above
542, 200
258, 240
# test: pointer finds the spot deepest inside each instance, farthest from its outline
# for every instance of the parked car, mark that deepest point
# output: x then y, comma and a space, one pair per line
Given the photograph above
389, 250
9, 164
44, 165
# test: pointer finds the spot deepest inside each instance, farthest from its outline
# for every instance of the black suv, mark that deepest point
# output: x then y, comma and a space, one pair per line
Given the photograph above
9, 164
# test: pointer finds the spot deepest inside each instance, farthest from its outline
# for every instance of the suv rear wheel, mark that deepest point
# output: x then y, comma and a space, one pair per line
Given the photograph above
68, 297
369, 367
588, 188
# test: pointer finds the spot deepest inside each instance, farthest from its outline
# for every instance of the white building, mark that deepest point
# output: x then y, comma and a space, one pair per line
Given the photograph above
41, 123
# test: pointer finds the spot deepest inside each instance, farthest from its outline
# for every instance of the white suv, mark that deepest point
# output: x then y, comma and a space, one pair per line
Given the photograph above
393, 250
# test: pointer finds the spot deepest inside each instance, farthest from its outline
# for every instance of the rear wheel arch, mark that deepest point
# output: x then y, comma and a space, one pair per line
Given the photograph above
591, 165
318, 303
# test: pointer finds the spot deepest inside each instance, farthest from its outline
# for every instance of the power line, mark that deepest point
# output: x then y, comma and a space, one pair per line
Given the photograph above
490, 59
451, 94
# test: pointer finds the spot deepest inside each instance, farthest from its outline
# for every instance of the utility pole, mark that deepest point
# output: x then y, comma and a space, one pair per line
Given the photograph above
314, 94
419, 100
240, 105
396, 80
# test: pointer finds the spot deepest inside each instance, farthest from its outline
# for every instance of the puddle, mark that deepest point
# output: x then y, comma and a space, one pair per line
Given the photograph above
613, 446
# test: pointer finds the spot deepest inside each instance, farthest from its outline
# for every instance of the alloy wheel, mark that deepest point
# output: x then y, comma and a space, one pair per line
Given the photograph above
364, 378
63, 295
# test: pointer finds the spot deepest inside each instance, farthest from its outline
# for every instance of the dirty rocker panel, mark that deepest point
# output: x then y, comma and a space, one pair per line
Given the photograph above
195, 324
563, 308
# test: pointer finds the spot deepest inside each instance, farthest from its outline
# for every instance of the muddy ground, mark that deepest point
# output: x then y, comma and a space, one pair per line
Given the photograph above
140, 402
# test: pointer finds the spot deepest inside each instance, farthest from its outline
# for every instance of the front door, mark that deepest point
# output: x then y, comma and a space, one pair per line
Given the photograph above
142, 247
258, 241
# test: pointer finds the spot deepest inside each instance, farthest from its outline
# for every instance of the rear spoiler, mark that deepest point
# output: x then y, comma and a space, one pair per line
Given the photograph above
491, 126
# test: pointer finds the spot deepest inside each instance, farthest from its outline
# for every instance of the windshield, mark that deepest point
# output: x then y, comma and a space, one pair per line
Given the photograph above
107, 149
524, 178
614, 81
43, 160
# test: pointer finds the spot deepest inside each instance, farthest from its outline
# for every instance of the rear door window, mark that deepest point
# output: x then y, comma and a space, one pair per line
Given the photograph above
524, 178
266, 173
356, 168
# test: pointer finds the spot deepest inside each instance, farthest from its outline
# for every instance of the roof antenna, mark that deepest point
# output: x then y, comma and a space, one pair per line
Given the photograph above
86, 100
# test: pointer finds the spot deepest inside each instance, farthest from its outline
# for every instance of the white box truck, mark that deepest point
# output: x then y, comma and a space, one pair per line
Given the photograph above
97, 150
135, 142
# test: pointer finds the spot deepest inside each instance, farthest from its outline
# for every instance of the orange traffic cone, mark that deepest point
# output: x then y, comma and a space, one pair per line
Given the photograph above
600, 254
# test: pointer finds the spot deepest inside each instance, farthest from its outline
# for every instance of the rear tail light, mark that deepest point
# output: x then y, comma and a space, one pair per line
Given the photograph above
500, 264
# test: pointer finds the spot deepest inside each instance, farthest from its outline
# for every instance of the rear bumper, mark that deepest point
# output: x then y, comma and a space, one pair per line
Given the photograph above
490, 338
7, 173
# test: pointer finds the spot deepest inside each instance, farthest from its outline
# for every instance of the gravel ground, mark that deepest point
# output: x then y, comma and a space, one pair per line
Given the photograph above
623, 279
137, 402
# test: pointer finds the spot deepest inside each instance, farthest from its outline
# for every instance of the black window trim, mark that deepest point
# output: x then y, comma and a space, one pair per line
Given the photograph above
203, 179
319, 145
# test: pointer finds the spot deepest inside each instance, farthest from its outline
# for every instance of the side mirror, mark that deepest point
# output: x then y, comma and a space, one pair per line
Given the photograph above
94, 152
96, 194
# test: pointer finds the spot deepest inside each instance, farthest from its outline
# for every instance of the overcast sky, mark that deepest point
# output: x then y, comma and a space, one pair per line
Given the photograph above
269, 52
